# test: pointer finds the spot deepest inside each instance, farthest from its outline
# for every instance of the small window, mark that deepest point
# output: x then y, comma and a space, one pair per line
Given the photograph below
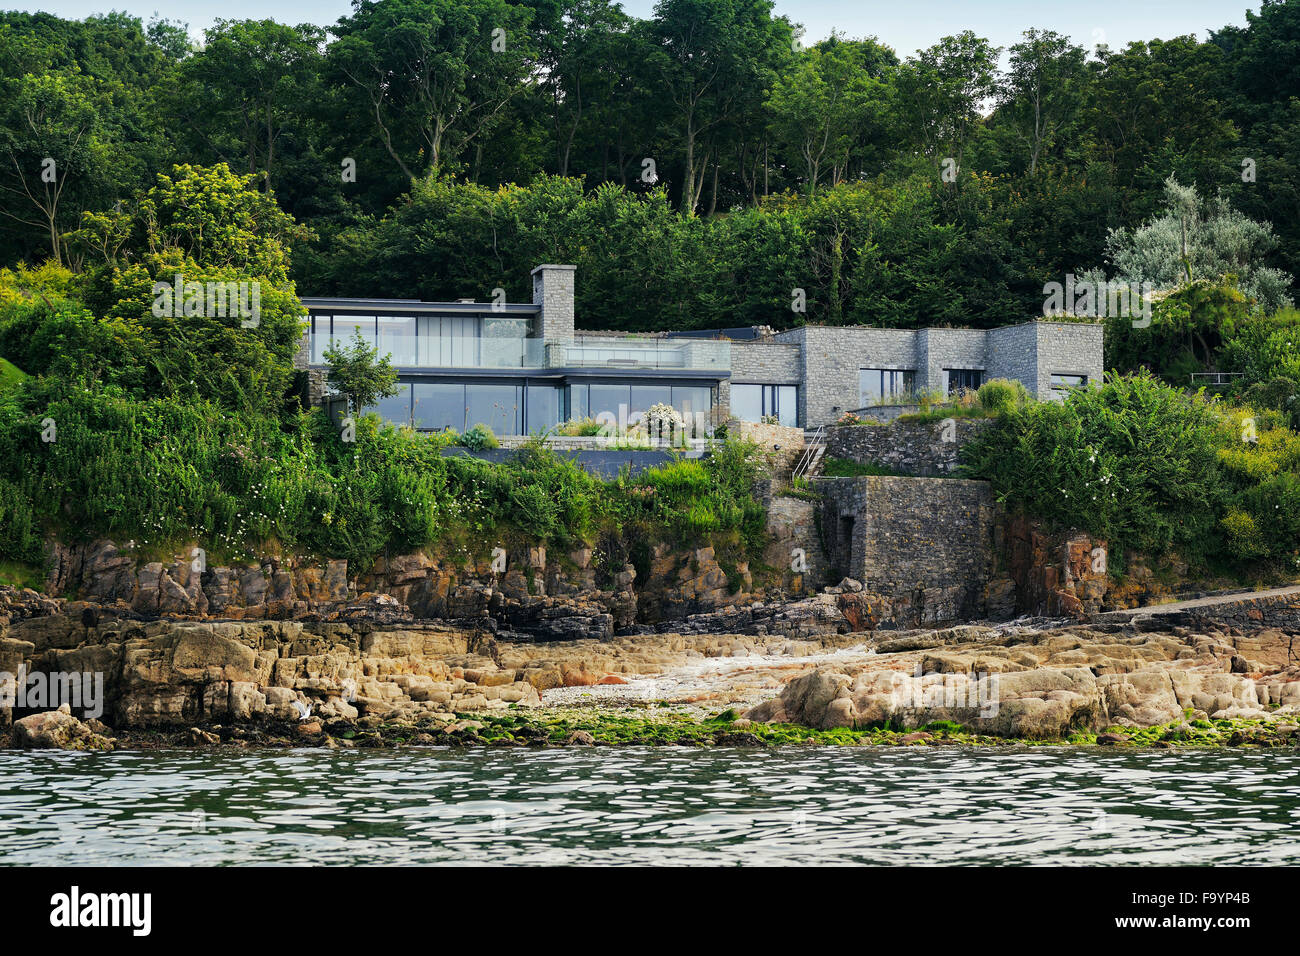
961, 380
1066, 383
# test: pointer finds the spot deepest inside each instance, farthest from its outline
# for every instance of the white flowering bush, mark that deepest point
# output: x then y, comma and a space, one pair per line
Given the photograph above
661, 420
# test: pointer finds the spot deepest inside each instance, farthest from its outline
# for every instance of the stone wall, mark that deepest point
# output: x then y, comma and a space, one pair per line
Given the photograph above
930, 449
1031, 352
939, 349
780, 445
831, 359
1034, 352
922, 547
760, 362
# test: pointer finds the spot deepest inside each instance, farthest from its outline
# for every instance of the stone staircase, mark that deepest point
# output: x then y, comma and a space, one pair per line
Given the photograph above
809, 464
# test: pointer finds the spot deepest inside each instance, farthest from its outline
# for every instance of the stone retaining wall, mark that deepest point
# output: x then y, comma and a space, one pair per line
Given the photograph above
929, 449
922, 547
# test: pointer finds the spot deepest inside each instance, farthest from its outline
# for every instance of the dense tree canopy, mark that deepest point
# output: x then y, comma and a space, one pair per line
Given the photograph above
699, 165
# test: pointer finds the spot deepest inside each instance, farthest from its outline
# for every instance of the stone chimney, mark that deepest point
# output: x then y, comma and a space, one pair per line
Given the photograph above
553, 291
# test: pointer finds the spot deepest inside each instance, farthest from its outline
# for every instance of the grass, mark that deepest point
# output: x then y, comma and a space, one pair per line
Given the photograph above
943, 413
20, 574
10, 375
846, 468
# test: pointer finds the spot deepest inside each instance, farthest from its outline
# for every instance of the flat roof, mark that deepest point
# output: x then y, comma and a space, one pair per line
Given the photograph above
416, 305
942, 328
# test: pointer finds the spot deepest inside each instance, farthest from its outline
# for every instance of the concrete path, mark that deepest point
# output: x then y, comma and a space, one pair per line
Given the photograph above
1176, 607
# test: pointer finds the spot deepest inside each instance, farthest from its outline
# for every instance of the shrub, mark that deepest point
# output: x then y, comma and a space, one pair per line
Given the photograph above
1001, 395
20, 538
479, 438
1134, 461
358, 372
580, 428
1243, 537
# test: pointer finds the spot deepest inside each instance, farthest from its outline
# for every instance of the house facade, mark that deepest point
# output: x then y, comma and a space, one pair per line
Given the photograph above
517, 368
522, 368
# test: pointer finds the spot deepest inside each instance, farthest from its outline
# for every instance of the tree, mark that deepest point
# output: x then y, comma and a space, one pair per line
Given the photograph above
711, 56
59, 156
821, 104
251, 79
940, 93
1043, 88
579, 68
357, 371
1154, 109
203, 226
433, 76
1198, 239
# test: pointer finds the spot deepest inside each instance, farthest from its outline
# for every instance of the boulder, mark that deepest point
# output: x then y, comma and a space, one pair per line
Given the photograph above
57, 730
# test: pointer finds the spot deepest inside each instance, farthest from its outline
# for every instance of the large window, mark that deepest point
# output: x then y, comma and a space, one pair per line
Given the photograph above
396, 409
694, 402
597, 400
500, 407
448, 341
877, 386
961, 380
610, 402
432, 341
320, 338
753, 403
438, 405
346, 327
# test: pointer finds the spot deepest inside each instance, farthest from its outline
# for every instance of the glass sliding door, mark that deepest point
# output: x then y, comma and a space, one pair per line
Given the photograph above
747, 402
578, 403
609, 402
497, 406
785, 404
753, 403
644, 396
397, 408
542, 407
437, 405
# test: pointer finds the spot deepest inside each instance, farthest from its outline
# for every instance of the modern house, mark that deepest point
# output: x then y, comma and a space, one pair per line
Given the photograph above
522, 368
517, 368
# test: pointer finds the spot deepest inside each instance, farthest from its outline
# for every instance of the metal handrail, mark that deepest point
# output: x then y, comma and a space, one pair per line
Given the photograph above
805, 463
1215, 378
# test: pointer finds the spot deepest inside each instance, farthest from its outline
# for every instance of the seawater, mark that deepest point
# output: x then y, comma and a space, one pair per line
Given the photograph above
671, 805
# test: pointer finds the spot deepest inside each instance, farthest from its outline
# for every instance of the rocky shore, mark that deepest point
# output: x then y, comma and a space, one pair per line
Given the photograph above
374, 677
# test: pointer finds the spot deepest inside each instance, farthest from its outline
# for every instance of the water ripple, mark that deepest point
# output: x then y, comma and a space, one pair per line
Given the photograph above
825, 805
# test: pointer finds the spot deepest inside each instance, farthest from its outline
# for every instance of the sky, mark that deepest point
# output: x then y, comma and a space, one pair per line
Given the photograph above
905, 25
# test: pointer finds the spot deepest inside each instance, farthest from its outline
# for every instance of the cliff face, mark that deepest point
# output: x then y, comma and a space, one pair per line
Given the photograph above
529, 591
1069, 575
